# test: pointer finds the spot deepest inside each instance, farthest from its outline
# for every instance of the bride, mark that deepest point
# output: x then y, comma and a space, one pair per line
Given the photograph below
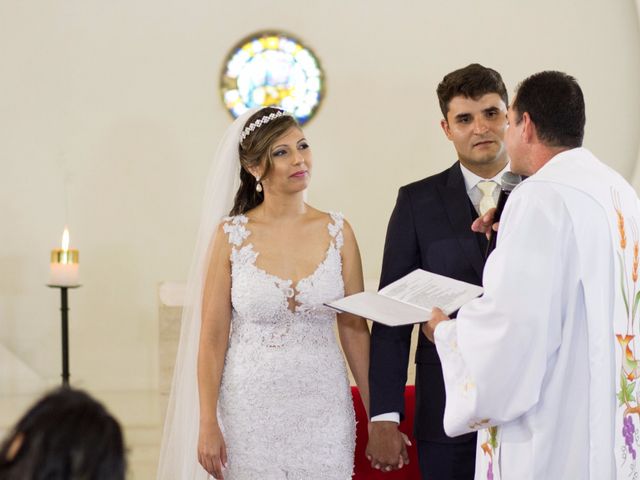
260, 387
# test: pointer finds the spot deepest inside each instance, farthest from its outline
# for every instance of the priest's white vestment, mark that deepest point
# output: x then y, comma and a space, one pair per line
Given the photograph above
546, 357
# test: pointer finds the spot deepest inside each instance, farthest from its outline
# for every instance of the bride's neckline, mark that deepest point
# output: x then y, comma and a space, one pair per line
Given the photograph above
288, 281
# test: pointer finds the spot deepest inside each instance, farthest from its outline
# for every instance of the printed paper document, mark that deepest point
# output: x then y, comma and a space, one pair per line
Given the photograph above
410, 299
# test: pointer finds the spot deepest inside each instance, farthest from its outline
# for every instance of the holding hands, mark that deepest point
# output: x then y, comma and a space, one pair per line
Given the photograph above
387, 447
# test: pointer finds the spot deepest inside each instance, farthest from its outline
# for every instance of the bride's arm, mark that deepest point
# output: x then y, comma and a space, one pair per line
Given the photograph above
353, 330
214, 339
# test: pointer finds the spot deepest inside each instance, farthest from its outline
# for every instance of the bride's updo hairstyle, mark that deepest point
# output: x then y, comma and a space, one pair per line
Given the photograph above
262, 129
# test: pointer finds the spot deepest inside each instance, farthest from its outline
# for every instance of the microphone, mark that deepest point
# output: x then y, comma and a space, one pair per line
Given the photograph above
509, 181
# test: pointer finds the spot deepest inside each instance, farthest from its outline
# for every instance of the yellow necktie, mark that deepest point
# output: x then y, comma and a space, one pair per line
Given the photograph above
486, 202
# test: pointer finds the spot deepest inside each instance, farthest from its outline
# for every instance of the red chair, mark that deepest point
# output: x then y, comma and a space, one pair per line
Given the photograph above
362, 468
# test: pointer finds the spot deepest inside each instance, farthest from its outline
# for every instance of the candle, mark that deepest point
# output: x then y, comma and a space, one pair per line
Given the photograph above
64, 264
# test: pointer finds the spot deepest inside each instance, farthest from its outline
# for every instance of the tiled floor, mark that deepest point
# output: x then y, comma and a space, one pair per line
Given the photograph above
138, 413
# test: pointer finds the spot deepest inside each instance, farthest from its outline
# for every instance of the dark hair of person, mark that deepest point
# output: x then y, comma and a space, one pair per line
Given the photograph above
555, 104
66, 435
254, 150
472, 81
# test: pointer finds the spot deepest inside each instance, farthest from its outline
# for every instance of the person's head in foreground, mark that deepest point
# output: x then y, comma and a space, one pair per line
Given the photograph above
66, 435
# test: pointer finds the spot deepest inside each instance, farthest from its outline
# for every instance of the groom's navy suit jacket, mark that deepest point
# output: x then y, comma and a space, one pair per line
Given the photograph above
430, 228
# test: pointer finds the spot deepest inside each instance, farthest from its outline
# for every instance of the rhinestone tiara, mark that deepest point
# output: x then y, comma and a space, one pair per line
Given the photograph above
261, 121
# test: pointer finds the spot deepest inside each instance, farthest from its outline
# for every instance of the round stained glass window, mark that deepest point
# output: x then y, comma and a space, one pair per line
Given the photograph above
272, 69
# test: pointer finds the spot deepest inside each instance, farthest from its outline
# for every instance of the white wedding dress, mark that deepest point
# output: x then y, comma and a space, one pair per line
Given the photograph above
285, 404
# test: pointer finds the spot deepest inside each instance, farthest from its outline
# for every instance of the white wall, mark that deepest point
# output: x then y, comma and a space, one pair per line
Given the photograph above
118, 100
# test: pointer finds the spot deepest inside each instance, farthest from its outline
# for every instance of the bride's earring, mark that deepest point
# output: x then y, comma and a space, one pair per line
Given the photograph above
258, 185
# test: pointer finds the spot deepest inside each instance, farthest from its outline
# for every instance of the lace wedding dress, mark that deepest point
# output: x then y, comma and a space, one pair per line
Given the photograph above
285, 404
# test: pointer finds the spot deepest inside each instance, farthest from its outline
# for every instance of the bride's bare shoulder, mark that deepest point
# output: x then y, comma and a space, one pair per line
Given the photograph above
315, 215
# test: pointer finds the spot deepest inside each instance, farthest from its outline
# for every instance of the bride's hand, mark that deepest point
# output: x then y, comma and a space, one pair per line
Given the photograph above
212, 451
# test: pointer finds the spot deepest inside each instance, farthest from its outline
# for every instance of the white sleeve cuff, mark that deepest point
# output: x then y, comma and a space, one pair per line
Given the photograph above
387, 417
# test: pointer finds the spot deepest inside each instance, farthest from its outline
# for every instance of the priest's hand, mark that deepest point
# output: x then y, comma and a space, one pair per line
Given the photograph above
484, 223
387, 446
429, 327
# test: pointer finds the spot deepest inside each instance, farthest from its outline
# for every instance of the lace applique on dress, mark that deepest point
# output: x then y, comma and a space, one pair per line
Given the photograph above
285, 402
235, 229
335, 229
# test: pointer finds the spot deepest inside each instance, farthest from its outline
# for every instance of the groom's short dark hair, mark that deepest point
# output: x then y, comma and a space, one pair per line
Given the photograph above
472, 81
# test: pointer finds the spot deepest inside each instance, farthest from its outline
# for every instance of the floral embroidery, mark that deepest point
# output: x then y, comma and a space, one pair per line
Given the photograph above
478, 424
626, 391
235, 229
490, 449
335, 229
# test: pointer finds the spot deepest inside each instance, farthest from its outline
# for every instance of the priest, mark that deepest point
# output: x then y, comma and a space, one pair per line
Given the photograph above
544, 364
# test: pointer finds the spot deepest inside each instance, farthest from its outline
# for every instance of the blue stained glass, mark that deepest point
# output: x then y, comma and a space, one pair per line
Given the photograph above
272, 69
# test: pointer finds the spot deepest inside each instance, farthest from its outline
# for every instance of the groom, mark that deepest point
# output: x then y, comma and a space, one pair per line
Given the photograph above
430, 229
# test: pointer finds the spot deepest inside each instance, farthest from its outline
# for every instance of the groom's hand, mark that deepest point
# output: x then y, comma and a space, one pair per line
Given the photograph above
387, 447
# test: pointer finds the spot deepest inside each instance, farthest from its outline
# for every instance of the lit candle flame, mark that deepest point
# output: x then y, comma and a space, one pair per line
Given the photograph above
65, 239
